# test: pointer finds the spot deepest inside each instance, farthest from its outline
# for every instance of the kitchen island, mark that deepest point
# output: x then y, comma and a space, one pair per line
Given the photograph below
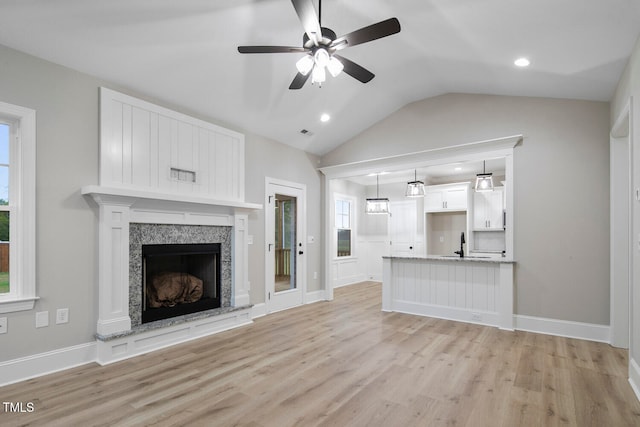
470, 289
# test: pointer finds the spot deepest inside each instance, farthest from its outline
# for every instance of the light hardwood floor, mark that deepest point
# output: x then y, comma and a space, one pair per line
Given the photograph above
345, 363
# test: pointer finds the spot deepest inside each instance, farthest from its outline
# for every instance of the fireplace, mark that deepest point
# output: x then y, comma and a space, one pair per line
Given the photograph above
179, 279
140, 202
192, 253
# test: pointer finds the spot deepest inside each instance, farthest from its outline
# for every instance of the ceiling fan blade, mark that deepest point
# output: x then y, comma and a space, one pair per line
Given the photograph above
354, 70
271, 49
299, 80
367, 34
309, 19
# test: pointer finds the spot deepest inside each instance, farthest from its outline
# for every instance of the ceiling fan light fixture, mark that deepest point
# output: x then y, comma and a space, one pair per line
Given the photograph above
335, 67
318, 75
305, 64
321, 57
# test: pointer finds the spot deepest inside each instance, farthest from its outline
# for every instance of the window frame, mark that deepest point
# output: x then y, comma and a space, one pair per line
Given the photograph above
352, 225
22, 208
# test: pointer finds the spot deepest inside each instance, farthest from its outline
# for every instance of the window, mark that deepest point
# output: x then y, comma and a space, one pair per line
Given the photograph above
343, 227
5, 208
17, 208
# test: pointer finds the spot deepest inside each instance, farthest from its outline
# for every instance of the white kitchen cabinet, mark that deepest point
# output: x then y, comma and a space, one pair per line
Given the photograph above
446, 197
488, 208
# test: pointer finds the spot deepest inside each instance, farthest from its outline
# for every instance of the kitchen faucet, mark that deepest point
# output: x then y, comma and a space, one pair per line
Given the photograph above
462, 242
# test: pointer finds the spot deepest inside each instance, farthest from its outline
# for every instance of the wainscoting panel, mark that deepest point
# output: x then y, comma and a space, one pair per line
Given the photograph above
477, 292
145, 146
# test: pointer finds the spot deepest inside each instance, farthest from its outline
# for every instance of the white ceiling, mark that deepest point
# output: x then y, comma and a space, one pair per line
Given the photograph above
184, 52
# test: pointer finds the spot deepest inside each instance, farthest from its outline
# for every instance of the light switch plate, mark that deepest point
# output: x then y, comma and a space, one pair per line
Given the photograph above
42, 319
3, 325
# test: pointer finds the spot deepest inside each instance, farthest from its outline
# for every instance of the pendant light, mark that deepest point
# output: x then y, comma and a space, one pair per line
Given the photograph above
415, 188
484, 180
377, 205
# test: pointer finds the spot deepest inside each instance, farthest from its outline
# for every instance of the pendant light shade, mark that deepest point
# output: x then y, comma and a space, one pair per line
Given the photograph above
377, 205
415, 188
484, 181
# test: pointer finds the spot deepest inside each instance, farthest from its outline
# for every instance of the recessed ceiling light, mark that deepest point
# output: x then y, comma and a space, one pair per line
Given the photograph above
522, 62
457, 168
325, 117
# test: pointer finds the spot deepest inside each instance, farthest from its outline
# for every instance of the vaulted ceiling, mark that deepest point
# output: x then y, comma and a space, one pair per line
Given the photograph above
185, 53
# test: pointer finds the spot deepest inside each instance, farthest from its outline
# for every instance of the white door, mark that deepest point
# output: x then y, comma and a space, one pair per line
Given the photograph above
403, 227
285, 265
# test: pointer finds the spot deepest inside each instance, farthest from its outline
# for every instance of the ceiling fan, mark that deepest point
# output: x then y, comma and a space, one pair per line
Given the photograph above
321, 44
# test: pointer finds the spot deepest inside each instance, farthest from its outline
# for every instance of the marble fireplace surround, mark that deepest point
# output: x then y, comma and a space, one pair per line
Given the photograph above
167, 234
123, 212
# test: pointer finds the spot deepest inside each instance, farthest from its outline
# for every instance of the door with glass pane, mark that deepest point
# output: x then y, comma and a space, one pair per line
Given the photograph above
285, 248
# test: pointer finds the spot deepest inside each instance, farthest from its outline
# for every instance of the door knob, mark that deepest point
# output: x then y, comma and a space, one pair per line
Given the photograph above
300, 252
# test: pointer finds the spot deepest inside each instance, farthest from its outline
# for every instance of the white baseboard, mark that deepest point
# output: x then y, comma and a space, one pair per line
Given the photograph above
563, 328
350, 281
315, 296
634, 377
447, 313
25, 368
258, 310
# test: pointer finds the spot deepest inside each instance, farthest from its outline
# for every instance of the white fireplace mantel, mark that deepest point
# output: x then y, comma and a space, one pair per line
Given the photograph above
140, 195
119, 207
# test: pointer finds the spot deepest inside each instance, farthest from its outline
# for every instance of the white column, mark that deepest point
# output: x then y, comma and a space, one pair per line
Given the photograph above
113, 266
240, 270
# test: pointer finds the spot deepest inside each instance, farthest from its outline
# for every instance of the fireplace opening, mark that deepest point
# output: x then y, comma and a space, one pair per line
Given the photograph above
179, 279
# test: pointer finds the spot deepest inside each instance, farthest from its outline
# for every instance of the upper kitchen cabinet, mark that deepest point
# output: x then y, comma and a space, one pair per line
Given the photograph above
446, 197
488, 208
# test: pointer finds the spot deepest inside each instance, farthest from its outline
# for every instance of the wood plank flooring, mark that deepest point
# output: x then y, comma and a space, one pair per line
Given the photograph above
344, 363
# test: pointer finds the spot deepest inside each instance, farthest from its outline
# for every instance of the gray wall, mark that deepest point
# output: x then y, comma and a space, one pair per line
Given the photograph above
629, 86
66, 104
560, 182
266, 158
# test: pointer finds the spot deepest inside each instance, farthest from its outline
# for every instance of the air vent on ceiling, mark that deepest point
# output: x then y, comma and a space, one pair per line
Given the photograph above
306, 132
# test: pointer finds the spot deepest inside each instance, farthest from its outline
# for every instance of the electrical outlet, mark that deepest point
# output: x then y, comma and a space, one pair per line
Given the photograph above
315, 275
42, 319
62, 316
476, 317
3, 325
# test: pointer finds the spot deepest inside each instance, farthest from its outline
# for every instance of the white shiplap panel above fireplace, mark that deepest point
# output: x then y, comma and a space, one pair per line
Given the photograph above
141, 143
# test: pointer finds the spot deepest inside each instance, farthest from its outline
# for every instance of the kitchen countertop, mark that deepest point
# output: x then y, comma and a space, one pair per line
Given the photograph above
454, 258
